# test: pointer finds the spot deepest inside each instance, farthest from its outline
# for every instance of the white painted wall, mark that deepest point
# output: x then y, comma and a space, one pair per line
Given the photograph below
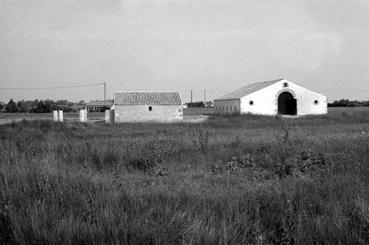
141, 113
265, 101
83, 115
108, 116
55, 116
61, 118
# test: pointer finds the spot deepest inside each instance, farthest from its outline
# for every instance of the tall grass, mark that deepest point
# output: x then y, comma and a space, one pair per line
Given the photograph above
231, 180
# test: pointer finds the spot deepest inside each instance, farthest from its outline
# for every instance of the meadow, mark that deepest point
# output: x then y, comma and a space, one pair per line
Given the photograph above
229, 180
68, 116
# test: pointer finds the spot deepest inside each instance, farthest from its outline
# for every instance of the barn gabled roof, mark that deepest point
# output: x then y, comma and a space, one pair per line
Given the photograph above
147, 98
248, 89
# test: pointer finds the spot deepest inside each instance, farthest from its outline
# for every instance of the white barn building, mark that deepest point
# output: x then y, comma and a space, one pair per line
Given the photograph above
277, 97
147, 107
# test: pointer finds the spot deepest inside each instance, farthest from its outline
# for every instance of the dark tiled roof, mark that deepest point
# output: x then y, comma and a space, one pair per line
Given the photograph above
147, 98
248, 89
97, 103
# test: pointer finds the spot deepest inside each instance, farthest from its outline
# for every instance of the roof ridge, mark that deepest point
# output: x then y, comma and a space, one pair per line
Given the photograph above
146, 91
248, 89
147, 98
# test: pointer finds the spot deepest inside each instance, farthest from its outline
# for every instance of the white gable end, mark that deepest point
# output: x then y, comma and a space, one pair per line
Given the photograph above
271, 100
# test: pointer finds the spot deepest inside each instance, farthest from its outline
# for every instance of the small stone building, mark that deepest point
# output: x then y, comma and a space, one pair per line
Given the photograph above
147, 107
277, 97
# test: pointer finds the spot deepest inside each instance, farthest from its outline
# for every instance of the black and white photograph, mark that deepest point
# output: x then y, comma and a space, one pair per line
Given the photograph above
184, 122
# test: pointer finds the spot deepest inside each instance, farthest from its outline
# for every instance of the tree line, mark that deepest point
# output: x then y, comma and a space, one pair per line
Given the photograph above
45, 106
197, 104
348, 103
38, 106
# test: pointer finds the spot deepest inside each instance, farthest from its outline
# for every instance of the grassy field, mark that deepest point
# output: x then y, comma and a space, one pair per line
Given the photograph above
229, 180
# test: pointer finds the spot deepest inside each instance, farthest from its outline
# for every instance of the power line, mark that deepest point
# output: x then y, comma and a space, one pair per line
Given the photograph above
212, 91
332, 91
59, 87
345, 91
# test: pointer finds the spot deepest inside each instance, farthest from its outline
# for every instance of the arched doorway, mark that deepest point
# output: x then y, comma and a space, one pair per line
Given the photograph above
287, 104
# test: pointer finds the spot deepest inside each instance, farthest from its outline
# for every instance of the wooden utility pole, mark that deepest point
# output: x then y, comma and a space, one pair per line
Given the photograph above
191, 97
104, 94
205, 97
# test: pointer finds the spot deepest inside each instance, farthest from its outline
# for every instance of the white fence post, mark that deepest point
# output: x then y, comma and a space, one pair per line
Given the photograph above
86, 118
55, 115
60, 115
82, 115
112, 115
107, 116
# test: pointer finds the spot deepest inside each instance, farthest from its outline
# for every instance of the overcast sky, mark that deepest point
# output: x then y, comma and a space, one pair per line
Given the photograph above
176, 45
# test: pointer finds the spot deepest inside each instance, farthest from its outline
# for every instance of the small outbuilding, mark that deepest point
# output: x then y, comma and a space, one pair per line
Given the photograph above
98, 105
147, 107
277, 97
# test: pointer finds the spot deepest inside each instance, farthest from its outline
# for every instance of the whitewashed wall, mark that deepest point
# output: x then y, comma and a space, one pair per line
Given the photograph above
141, 113
265, 101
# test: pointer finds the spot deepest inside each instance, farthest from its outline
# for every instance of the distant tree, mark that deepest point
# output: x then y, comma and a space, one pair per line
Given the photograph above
63, 102
34, 105
40, 106
354, 104
64, 105
2, 106
28, 105
50, 105
195, 104
209, 103
11, 106
348, 103
24, 106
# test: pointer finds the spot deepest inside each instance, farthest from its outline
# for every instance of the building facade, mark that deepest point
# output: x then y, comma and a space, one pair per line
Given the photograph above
147, 107
277, 97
